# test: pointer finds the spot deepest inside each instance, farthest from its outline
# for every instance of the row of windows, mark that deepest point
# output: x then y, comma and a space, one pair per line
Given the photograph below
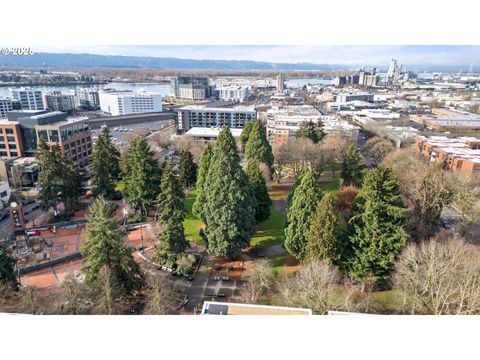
7, 131
9, 139
12, 153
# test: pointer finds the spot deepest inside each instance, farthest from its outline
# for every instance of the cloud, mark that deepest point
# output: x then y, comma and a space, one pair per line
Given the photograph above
355, 55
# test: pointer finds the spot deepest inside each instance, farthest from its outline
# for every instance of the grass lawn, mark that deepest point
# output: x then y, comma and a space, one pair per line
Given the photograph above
191, 224
270, 232
332, 186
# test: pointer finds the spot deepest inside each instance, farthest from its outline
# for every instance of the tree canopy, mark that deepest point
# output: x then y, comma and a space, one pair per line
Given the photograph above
311, 130
202, 175
258, 146
262, 210
351, 166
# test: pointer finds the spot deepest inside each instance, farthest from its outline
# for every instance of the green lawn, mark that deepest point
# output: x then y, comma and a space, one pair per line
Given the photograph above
270, 232
332, 186
191, 224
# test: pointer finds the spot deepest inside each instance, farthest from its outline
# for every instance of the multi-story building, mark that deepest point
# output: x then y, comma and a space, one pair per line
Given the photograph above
30, 99
87, 99
56, 101
128, 102
448, 120
191, 116
5, 105
11, 145
283, 123
232, 93
190, 87
457, 154
355, 96
73, 135
280, 83
19, 172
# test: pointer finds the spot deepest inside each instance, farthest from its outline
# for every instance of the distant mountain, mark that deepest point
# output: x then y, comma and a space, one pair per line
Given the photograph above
113, 61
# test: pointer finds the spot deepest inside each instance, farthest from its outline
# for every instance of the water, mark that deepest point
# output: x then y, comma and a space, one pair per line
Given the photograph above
301, 82
163, 89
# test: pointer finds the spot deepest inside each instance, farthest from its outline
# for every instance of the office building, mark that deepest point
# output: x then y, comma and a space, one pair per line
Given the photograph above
87, 99
280, 83
204, 116
118, 103
190, 87
56, 101
11, 145
457, 154
72, 134
30, 99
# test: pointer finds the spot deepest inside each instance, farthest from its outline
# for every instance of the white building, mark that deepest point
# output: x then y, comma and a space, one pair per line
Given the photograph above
233, 93
128, 102
30, 99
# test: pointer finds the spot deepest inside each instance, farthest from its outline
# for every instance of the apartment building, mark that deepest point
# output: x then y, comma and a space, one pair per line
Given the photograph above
190, 87
30, 99
204, 116
87, 99
118, 103
354, 96
8, 104
56, 101
456, 154
232, 93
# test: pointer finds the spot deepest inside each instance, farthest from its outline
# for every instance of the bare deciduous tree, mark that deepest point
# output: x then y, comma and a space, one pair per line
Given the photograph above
440, 277
377, 148
73, 296
162, 298
107, 294
259, 282
29, 300
316, 286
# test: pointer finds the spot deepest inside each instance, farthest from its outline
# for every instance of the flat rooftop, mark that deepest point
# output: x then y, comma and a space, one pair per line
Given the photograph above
205, 107
210, 132
69, 120
224, 308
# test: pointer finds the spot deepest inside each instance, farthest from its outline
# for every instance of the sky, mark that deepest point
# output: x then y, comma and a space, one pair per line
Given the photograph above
341, 55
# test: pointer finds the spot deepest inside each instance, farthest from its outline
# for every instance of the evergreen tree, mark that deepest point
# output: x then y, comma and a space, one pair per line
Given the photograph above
247, 129
229, 209
58, 177
262, 210
202, 175
299, 215
322, 237
49, 175
351, 166
105, 165
141, 175
298, 180
104, 247
258, 146
7, 267
172, 212
311, 130
378, 226
187, 170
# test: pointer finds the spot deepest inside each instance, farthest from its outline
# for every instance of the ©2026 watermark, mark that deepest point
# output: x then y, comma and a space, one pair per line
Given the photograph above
17, 51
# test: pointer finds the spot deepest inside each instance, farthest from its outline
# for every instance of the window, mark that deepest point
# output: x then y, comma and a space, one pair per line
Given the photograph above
1, 131
2, 138
11, 138
3, 194
13, 153
12, 146
2, 146
9, 131
3, 153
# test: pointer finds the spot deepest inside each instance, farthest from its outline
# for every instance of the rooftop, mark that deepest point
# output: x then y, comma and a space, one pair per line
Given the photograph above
219, 109
210, 132
223, 308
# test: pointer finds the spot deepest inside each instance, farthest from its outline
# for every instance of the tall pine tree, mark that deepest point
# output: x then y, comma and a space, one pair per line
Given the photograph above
141, 175
187, 170
7, 267
351, 166
104, 247
229, 209
170, 202
247, 129
105, 165
299, 216
258, 147
311, 130
322, 237
202, 175
378, 226
262, 210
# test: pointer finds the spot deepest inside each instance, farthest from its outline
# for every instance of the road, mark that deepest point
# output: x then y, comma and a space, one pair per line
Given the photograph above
6, 227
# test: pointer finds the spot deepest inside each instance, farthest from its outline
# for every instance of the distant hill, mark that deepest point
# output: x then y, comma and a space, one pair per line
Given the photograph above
112, 61
68, 60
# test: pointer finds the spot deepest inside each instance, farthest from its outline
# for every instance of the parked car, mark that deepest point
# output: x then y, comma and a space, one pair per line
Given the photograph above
216, 278
225, 278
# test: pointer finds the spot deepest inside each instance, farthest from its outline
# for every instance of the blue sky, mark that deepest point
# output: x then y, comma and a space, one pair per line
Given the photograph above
342, 54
